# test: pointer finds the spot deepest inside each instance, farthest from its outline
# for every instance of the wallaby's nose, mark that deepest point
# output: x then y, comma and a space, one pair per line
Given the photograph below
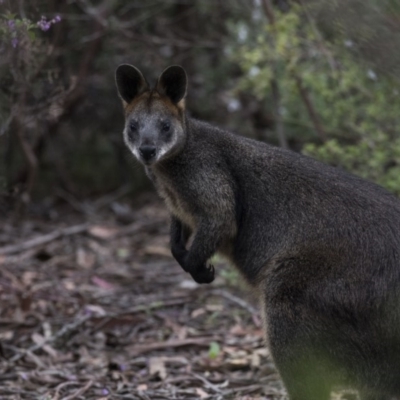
147, 152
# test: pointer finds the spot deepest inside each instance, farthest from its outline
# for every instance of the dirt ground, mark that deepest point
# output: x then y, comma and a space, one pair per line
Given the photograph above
93, 306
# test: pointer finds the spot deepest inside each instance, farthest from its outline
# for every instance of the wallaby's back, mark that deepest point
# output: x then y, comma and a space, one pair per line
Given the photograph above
323, 246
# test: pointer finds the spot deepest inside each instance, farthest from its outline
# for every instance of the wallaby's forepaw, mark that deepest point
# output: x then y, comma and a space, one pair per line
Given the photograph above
204, 275
179, 254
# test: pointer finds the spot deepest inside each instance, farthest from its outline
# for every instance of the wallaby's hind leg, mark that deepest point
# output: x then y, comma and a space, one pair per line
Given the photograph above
304, 372
303, 382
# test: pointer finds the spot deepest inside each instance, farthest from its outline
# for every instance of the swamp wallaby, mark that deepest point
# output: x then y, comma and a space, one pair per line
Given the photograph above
320, 246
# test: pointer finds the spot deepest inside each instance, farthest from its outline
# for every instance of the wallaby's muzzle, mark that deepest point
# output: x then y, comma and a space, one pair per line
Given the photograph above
147, 152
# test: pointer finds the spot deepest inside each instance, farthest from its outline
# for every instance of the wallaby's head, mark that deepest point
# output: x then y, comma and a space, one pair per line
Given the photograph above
154, 118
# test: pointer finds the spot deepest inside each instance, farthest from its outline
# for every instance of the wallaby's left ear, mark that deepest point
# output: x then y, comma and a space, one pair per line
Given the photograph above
173, 83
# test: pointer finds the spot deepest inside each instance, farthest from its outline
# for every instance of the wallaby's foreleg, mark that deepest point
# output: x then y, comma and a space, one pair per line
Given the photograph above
205, 244
179, 235
194, 260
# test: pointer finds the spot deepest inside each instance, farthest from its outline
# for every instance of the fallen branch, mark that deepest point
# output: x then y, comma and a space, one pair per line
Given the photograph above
44, 239
74, 230
66, 329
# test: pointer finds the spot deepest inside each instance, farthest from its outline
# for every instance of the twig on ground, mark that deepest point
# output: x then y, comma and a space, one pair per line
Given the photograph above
17, 258
62, 332
44, 239
62, 386
79, 392
137, 226
244, 390
207, 383
83, 208
111, 197
236, 300
145, 348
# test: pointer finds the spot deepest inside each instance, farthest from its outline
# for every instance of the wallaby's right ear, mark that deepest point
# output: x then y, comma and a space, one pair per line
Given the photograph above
173, 83
130, 82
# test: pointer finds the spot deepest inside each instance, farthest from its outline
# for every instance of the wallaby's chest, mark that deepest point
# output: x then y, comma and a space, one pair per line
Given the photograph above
174, 200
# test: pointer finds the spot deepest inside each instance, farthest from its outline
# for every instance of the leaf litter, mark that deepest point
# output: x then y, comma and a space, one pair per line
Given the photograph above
95, 309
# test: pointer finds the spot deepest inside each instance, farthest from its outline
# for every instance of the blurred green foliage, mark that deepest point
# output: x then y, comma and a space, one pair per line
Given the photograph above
336, 66
357, 106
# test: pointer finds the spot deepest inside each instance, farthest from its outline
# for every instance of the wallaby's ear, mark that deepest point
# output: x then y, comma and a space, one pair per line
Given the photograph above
130, 82
173, 83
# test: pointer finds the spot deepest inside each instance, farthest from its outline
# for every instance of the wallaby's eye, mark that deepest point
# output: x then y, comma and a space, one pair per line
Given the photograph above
133, 126
132, 130
166, 126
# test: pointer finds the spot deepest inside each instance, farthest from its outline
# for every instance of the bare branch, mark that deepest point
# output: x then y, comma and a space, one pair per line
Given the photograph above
276, 93
314, 117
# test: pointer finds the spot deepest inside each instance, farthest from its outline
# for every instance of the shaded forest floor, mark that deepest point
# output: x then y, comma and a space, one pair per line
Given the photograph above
92, 306
96, 308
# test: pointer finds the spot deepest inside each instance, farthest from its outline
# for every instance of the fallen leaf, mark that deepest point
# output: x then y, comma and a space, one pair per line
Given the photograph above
263, 352
28, 277
214, 307
69, 285
6, 335
157, 251
237, 330
37, 338
85, 259
238, 363
201, 393
102, 283
95, 309
102, 232
157, 367
255, 360
188, 284
196, 313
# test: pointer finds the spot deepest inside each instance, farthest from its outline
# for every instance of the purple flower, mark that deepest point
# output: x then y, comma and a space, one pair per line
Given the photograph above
14, 42
45, 25
11, 24
105, 392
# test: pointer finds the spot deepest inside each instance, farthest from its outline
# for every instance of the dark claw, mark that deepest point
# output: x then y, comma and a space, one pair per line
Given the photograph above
204, 275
